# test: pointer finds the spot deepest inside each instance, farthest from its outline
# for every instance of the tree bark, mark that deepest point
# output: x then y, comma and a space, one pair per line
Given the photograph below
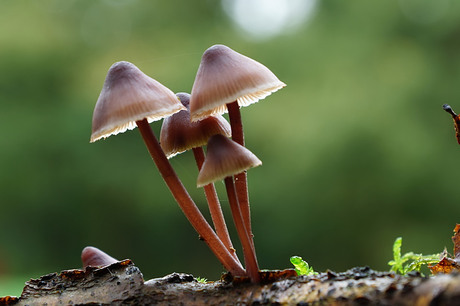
122, 283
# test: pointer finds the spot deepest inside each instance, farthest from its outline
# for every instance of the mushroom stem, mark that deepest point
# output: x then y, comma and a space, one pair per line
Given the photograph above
214, 206
186, 203
241, 181
250, 259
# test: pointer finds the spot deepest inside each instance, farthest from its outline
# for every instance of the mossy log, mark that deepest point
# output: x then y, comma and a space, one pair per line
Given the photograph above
123, 283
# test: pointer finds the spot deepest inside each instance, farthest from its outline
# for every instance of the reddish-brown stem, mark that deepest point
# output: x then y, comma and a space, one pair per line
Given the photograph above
250, 259
241, 181
186, 203
214, 206
241, 185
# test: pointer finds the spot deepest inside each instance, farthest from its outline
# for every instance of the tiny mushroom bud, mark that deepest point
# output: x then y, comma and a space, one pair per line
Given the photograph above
91, 256
179, 134
224, 159
228, 80
129, 98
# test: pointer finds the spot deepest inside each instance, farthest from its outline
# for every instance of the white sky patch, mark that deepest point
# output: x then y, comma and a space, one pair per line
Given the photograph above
265, 19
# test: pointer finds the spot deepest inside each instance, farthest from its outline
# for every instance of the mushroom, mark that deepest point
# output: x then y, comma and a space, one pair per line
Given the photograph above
225, 158
228, 80
91, 256
178, 134
129, 98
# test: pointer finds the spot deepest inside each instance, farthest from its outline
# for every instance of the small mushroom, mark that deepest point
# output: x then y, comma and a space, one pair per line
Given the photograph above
128, 95
226, 76
228, 80
129, 98
91, 256
178, 134
225, 158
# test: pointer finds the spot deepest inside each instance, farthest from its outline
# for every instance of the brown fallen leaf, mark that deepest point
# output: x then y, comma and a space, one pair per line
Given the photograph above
446, 264
456, 241
456, 119
9, 300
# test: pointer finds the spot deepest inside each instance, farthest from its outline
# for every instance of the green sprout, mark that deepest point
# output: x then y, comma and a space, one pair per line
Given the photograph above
201, 280
301, 266
409, 261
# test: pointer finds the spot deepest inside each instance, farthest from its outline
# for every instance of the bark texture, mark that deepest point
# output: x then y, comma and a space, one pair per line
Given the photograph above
122, 284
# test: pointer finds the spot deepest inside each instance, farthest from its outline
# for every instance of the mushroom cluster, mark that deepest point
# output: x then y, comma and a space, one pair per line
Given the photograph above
225, 81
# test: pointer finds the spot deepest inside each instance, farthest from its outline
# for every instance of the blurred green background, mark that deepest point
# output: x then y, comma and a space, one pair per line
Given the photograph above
356, 149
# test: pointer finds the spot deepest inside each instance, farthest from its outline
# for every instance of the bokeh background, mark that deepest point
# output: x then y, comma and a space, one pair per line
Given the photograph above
356, 149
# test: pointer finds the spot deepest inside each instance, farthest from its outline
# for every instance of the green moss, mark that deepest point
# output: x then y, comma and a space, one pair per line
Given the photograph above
403, 264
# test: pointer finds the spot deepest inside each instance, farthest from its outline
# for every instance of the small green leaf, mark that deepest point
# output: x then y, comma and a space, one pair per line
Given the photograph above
301, 266
396, 263
201, 280
397, 249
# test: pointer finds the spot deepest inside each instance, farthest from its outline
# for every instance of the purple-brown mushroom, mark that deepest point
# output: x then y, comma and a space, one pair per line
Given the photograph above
129, 98
224, 159
225, 81
93, 257
178, 134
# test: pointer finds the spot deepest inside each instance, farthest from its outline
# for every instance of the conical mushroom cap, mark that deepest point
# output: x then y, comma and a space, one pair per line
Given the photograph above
128, 95
179, 134
225, 158
225, 76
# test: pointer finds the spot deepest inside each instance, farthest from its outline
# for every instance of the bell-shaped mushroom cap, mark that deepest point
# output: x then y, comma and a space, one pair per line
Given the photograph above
179, 134
91, 256
128, 95
225, 158
225, 76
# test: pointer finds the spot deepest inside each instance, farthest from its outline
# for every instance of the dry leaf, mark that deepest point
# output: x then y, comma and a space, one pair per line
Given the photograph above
447, 265
456, 119
456, 241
